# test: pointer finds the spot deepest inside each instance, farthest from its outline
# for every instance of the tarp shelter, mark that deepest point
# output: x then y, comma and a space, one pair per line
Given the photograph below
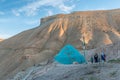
68, 55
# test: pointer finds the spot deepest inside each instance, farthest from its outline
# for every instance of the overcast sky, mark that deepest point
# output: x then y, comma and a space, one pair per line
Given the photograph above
20, 15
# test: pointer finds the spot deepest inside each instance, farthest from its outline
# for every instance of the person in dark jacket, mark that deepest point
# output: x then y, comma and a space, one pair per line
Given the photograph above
103, 57
96, 58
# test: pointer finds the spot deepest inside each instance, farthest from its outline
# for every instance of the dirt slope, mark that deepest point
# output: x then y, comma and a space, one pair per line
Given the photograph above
101, 71
108, 70
43, 42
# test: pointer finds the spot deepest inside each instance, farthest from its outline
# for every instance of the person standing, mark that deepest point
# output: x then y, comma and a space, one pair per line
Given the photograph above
96, 58
92, 59
103, 56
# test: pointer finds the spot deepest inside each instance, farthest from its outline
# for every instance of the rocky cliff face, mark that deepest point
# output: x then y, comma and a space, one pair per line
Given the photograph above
41, 43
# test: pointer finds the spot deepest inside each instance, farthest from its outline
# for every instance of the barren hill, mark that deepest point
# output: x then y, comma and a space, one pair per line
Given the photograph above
43, 42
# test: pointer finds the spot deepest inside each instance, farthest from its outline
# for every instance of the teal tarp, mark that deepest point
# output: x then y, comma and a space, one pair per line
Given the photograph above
68, 54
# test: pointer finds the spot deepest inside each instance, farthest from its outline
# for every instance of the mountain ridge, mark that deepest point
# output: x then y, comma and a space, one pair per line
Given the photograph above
99, 28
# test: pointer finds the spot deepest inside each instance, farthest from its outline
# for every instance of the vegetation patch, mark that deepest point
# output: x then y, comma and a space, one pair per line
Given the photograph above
114, 60
113, 73
96, 66
81, 78
90, 73
93, 78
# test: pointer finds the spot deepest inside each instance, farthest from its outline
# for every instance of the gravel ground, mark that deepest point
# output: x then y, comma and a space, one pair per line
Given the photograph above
106, 71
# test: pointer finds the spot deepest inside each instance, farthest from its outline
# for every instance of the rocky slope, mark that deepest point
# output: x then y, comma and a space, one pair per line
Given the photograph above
33, 46
101, 71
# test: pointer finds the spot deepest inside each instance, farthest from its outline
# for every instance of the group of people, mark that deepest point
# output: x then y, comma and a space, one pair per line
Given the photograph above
98, 57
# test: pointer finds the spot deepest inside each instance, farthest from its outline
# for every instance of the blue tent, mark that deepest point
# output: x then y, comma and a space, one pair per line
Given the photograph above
68, 54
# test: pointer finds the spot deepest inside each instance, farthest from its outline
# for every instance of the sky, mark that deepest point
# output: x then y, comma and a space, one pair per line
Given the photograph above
19, 15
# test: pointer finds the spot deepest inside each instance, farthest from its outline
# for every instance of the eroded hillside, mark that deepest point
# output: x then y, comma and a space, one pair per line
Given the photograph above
42, 43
